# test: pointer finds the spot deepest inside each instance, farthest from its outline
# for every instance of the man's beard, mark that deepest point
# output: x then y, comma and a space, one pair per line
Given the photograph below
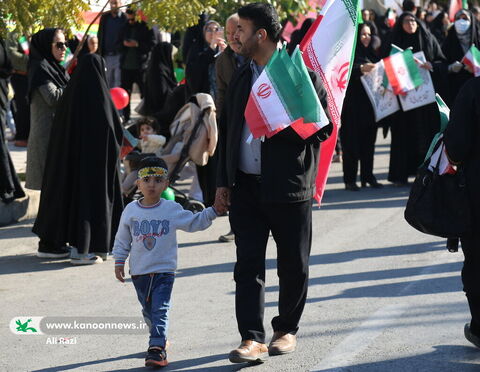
248, 51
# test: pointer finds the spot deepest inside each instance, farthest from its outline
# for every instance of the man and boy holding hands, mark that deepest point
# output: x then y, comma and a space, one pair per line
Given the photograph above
259, 182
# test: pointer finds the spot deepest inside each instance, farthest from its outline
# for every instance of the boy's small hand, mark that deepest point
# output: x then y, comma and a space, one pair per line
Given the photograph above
120, 273
222, 198
220, 210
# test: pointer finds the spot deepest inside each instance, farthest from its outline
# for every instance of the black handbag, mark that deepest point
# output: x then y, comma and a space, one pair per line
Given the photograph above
438, 204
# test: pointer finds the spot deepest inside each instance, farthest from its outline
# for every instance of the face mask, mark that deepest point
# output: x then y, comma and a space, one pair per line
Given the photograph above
461, 26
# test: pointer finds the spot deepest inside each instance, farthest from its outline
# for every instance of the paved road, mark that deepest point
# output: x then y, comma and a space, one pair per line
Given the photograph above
382, 297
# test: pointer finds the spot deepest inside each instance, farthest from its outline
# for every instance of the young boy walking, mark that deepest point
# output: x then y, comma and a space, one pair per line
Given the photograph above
147, 234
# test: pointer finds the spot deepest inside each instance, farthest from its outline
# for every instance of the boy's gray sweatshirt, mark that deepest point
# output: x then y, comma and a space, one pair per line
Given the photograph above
148, 235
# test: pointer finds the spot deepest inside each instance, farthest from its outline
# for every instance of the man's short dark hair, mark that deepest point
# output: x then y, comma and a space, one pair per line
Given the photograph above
264, 16
152, 161
408, 6
130, 10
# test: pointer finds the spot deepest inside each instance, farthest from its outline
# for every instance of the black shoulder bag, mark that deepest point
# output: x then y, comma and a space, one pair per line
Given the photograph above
438, 204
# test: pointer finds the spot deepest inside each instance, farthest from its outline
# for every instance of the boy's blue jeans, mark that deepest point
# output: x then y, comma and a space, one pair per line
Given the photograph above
154, 292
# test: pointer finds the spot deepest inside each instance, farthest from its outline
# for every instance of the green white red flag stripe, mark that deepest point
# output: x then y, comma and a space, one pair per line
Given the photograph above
24, 45
328, 49
67, 58
284, 94
395, 49
129, 142
444, 113
445, 167
472, 59
402, 72
455, 6
391, 18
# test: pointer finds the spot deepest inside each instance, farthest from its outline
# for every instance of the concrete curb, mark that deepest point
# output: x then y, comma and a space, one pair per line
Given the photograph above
20, 209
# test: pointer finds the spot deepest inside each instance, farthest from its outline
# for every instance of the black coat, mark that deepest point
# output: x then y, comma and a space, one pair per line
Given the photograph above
81, 202
101, 32
462, 140
145, 38
289, 163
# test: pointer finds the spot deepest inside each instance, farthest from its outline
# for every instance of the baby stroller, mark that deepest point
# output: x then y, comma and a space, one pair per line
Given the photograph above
193, 138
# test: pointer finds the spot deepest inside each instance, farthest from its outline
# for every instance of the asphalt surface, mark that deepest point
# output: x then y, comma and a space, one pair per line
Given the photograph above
382, 297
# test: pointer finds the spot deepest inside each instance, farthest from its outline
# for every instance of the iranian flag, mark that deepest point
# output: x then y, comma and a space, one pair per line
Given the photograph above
455, 6
329, 48
24, 45
68, 57
402, 72
472, 59
395, 49
128, 143
436, 154
284, 95
391, 17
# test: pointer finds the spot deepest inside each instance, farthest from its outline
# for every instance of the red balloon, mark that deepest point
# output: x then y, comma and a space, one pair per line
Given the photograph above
119, 97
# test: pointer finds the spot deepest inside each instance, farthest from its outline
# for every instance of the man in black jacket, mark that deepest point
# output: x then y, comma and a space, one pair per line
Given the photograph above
137, 41
268, 186
111, 24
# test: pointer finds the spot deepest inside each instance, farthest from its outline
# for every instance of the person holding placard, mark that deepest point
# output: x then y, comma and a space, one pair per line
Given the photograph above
412, 131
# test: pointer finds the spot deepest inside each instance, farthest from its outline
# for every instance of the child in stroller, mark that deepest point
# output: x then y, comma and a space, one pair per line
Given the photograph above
193, 137
150, 144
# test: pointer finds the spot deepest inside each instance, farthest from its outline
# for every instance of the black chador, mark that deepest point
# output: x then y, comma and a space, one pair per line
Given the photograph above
159, 79
359, 130
412, 131
10, 187
81, 200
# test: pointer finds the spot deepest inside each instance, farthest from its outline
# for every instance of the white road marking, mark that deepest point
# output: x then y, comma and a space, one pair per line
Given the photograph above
344, 354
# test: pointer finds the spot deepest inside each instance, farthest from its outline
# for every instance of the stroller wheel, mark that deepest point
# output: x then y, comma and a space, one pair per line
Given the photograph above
194, 206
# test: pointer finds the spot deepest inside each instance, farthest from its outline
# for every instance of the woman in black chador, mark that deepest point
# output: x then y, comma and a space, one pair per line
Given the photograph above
81, 200
159, 79
10, 188
359, 130
439, 26
460, 38
200, 78
412, 131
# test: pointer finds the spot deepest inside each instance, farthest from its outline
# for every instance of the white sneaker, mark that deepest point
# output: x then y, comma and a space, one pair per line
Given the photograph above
87, 259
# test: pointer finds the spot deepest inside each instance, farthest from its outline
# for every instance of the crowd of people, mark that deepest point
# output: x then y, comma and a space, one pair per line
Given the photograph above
74, 133
444, 45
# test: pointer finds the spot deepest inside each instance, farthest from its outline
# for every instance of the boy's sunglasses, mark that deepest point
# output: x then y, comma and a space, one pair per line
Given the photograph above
60, 45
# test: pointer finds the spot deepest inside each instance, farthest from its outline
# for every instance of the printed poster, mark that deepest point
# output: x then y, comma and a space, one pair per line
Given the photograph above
424, 94
383, 101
